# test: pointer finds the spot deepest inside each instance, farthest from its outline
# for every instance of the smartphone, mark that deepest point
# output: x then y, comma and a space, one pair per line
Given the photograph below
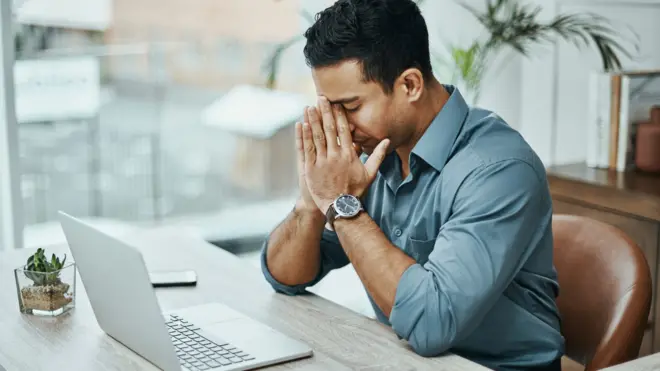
173, 278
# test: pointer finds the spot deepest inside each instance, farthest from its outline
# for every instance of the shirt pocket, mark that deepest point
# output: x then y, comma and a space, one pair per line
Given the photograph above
420, 249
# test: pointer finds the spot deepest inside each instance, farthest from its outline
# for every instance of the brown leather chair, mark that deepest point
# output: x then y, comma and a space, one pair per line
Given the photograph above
604, 291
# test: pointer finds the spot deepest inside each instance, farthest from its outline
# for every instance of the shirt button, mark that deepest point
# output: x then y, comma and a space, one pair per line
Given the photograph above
397, 232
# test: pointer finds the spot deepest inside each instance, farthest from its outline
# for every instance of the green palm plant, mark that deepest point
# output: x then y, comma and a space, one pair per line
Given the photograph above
467, 65
508, 23
516, 25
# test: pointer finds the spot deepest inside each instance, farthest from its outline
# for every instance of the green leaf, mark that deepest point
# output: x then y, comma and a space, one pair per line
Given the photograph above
510, 23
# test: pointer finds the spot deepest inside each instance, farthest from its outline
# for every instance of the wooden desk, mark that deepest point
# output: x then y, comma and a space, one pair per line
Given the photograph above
629, 201
648, 363
341, 339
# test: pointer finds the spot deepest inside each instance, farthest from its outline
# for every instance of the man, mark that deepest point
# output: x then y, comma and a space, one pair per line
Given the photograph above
454, 245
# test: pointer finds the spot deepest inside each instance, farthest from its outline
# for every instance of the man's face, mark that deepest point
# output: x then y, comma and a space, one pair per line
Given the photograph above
371, 113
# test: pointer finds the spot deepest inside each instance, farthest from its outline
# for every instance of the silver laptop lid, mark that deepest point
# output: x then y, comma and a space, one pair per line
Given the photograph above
117, 283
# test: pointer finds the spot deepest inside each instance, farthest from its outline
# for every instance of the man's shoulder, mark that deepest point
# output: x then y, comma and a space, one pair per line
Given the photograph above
487, 145
487, 140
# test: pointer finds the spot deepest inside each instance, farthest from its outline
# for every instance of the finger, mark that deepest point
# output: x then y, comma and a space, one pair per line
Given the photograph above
329, 124
305, 116
305, 119
317, 132
345, 138
376, 158
308, 145
300, 150
330, 130
335, 142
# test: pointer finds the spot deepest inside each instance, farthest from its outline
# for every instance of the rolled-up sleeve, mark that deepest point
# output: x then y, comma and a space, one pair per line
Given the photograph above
332, 257
497, 213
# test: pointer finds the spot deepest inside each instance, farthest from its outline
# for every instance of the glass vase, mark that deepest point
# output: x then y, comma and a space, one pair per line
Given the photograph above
46, 293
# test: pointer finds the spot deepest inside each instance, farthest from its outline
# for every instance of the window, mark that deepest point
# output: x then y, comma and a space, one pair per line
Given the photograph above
139, 147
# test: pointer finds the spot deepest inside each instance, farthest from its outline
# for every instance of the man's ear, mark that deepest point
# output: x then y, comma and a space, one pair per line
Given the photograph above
411, 82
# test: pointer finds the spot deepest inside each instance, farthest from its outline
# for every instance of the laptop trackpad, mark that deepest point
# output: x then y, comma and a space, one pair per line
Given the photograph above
255, 338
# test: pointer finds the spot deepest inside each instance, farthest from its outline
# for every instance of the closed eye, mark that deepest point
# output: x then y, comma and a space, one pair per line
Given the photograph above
352, 109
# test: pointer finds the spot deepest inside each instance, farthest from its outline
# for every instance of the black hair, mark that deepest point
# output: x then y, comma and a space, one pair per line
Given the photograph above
385, 36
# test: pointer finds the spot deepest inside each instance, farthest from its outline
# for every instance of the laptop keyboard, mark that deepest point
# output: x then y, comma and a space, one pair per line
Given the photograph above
196, 352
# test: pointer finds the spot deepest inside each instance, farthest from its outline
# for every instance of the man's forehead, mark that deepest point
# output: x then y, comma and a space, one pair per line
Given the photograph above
339, 82
347, 68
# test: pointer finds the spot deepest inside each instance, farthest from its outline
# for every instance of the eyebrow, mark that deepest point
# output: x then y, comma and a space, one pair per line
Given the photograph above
344, 100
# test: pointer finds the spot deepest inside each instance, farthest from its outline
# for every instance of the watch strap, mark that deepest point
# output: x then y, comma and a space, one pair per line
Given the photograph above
330, 216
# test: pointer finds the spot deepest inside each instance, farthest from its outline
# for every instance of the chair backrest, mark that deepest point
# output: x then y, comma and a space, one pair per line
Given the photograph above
604, 291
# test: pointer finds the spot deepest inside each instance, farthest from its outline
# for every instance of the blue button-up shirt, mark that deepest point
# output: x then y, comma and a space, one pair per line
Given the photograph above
475, 213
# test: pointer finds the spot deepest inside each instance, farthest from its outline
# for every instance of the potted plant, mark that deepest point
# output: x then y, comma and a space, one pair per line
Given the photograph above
46, 286
514, 27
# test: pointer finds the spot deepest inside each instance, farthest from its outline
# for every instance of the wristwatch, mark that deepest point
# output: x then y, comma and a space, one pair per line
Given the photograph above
345, 207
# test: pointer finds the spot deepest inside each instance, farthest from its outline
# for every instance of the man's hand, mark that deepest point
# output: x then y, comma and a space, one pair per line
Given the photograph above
305, 202
333, 168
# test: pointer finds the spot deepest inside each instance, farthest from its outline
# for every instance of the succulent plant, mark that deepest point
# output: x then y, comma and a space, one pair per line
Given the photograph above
43, 271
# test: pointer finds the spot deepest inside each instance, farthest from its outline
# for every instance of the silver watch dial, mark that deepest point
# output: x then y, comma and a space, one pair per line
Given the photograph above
347, 205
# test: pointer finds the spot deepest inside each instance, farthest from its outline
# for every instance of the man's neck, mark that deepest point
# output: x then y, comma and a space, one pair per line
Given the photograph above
430, 105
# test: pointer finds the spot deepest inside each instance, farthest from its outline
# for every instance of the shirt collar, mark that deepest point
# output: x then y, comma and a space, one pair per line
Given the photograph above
435, 145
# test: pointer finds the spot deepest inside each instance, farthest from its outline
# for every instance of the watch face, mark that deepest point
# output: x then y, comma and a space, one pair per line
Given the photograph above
347, 205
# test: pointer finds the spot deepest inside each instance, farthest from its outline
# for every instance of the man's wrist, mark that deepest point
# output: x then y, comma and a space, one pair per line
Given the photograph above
341, 223
311, 213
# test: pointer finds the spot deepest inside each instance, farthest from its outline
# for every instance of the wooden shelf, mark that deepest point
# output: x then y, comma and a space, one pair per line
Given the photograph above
634, 193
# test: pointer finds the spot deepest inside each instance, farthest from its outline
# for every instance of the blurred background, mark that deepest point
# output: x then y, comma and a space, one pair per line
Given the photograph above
128, 89
152, 112
140, 113
168, 111
136, 110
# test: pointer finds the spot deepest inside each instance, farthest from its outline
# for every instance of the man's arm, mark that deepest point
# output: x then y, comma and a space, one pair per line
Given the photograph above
299, 252
378, 263
495, 218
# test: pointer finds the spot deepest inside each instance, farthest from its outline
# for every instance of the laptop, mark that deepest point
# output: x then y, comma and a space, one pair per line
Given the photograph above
204, 337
